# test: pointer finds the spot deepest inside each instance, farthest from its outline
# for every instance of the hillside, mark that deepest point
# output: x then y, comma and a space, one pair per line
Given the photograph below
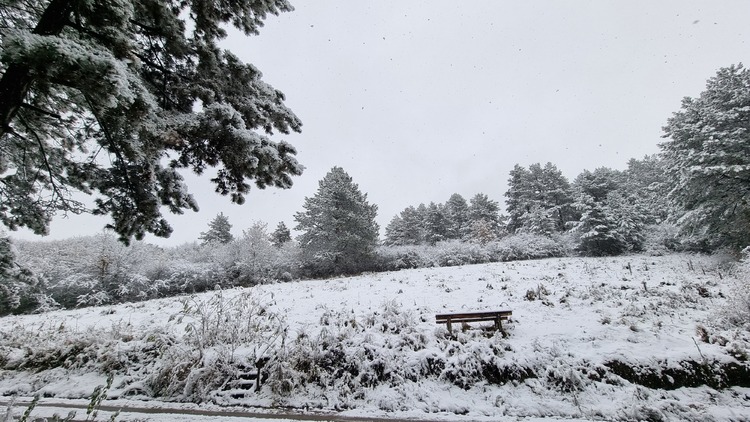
625, 338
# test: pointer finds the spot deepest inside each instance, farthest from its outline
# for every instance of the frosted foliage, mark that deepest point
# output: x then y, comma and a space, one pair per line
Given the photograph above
478, 221
457, 213
614, 208
708, 159
281, 235
219, 231
99, 98
339, 232
20, 289
484, 218
538, 191
407, 228
77, 63
435, 223
598, 229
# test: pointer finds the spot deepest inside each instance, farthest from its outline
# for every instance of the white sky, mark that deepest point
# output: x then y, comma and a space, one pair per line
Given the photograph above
418, 100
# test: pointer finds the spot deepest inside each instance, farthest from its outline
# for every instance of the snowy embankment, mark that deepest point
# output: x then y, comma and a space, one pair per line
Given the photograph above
622, 338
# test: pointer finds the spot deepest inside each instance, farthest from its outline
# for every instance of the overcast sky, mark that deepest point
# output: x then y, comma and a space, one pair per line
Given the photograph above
418, 100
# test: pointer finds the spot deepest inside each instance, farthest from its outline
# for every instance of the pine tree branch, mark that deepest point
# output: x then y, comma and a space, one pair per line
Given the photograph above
17, 79
149, 28
78, 27
112, 143
741, 179
41, 111
57, 193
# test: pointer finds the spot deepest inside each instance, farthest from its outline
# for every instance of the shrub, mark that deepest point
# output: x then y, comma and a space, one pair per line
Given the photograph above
524, 246
737, 311
662, 238
454, 252
224, 333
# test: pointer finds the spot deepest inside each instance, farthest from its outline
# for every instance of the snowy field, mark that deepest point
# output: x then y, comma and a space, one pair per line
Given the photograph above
626, 338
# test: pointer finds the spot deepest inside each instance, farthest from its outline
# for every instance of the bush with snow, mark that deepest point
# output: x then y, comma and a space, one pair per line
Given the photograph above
225, 333
528, 246
20, 290
731, 327
451, 253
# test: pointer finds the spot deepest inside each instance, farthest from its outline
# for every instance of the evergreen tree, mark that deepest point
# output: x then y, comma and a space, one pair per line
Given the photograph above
557, 196
519, 197
435, 224
420, 217
339, 232
219, 231
99, 97
281, 235
630, 217
538, 221
597, 229
20, 290
613, 206
7, 257
484, 219
394, 232
538, 188
708, 160
646, 185
405, 228
599, 183
457, 213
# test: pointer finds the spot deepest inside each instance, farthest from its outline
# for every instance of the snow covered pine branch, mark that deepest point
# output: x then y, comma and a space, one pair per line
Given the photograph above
99, 97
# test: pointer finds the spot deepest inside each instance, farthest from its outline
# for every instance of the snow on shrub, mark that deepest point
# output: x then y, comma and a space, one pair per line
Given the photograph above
737, 312
522, 246
349, 353
525, 246
731, 328
189, 277
357, 359
394, 258
660, 239
225, 333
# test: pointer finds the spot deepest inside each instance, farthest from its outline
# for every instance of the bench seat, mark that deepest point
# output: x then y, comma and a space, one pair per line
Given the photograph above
495, 316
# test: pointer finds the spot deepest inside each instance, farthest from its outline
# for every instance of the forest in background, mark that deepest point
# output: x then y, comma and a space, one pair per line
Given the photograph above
602, 212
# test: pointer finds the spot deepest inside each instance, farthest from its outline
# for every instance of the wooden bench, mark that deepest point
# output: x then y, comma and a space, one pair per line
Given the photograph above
496, 316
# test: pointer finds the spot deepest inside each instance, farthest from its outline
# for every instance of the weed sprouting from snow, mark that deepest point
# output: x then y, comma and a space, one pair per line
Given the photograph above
230, 322
224, 334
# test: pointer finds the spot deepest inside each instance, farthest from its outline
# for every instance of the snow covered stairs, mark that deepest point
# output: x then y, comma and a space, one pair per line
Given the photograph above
248, 379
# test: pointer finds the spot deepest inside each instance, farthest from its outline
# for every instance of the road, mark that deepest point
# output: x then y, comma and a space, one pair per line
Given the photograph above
47, 407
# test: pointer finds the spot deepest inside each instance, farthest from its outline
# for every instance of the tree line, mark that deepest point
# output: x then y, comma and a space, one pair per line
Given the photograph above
696, 193
606, 211
602, 212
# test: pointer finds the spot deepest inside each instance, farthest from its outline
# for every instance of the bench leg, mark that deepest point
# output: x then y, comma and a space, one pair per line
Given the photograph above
499, 326
450, 331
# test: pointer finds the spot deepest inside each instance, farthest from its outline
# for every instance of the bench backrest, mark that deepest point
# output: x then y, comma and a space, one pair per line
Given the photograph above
476, 316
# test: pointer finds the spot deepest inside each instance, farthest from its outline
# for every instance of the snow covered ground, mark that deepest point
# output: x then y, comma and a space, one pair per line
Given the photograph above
626, 338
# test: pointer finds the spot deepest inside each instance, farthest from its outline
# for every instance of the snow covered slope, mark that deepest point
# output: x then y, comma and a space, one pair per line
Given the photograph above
623, 338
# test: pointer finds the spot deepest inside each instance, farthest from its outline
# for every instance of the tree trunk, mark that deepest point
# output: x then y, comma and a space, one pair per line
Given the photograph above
15, 83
